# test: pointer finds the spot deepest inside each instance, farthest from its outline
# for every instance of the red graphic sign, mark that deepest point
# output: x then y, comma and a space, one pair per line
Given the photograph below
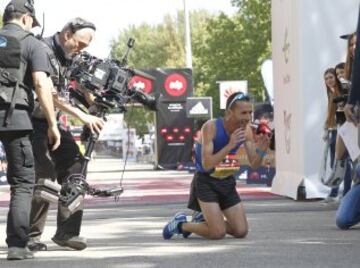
175, 85
141, 83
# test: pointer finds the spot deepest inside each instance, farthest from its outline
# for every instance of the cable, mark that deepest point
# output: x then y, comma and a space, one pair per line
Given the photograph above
127, 151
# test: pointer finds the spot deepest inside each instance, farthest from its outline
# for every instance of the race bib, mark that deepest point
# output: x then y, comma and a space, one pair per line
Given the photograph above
229, 166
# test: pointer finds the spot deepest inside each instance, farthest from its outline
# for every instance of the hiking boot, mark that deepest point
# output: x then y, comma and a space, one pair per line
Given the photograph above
16, 253
172, 227
75, 242
337, 174
196, 218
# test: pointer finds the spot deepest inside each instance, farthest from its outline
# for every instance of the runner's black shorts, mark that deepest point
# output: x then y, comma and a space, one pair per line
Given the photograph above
209, 189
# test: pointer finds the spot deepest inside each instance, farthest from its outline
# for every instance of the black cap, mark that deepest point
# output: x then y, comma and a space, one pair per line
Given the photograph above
23, 6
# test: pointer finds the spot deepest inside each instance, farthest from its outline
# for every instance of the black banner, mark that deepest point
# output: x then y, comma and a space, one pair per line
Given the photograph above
174, 135
174, 130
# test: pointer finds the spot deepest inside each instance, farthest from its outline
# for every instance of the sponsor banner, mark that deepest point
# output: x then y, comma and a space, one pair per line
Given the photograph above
142, 83
172, 84
199, 107
174, 128
227, 88
174, 135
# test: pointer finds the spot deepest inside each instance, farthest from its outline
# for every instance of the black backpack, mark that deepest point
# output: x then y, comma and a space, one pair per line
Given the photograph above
14, 94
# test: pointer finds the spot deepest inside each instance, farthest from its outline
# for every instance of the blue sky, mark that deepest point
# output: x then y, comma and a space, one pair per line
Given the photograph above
111, 16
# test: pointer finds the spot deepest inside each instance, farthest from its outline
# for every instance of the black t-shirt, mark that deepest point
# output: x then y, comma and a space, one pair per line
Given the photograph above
59, 63
35, 53
354, 96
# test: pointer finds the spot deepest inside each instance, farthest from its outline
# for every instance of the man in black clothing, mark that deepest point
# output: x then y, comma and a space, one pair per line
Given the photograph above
67, 160
24, 65
354, 96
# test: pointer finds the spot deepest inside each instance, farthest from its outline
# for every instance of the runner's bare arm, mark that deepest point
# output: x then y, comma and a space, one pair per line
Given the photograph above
254, 148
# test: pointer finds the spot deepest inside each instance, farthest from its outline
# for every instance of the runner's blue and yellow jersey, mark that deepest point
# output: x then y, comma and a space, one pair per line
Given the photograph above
228, 166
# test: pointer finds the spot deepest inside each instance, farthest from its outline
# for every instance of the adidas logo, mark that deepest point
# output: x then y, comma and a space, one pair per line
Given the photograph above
199, 109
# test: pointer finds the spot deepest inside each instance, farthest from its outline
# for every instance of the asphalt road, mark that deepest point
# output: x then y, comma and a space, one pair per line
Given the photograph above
283, 233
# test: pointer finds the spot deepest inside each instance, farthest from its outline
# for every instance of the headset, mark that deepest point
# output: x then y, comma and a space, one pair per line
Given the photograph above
78, 24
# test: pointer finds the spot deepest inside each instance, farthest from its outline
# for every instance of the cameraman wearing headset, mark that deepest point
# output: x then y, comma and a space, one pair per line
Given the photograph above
67, 159
24, 67
348, 213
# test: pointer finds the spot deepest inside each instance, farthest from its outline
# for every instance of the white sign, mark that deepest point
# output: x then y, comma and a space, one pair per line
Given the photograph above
349, 134
113, 127
229, 87
267, 76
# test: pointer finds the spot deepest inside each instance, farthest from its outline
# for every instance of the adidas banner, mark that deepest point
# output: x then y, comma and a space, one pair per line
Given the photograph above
199, 107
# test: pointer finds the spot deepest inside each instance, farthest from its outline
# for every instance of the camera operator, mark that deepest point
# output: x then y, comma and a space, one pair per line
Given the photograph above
348, 213
67, 159
24, 65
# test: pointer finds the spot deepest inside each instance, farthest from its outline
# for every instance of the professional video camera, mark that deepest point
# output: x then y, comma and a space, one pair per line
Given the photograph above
108, 80
345, 86
340, 101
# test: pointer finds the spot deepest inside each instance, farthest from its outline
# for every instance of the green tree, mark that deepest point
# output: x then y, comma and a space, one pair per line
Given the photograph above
161, 45
235, 48
224, 47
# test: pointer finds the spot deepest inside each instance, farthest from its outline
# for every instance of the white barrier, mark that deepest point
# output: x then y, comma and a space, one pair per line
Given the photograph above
305, 39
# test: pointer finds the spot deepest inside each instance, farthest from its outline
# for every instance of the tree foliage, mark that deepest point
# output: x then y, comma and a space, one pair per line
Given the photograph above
235, 48
156, 46
223, 47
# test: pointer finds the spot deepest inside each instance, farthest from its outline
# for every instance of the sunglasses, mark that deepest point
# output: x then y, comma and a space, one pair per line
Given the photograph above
239, 97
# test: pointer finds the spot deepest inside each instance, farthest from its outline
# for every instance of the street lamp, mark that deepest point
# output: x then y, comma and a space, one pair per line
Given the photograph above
188, 54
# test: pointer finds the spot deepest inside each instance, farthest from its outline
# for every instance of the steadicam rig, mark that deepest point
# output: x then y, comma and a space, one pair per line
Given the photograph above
71, 193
